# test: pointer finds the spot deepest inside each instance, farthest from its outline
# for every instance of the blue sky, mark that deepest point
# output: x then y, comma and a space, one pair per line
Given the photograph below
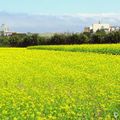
57, 15
60, 6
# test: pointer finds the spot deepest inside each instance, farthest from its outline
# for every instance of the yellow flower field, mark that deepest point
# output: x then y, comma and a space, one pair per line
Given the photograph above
58, 85
113, 49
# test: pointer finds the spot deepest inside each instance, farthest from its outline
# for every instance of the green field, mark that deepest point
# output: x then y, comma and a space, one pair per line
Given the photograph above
59, 85
113, 49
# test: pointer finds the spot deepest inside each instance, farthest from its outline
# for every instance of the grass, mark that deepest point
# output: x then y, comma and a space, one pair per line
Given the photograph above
58, 85
97, 48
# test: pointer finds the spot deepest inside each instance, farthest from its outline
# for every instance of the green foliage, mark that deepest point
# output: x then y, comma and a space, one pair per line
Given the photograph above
4, 41
14, 40
24, 40
58, 39
30, 40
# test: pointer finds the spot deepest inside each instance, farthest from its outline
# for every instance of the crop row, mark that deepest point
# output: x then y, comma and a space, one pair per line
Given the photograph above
97, 48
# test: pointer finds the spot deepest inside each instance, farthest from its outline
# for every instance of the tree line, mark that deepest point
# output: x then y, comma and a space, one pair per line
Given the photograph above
24, 40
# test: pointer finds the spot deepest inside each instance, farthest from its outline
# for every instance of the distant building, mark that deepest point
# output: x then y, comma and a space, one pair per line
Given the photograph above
87, 29
4, 30
98, 26
115, 28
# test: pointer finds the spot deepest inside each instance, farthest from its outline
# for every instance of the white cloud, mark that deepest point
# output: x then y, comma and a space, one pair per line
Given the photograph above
55, 23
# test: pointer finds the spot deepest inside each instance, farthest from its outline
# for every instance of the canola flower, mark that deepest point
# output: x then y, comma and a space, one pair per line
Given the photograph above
58, 85
95, 48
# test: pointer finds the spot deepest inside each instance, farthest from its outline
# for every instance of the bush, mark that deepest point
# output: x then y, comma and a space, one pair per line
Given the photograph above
24, 40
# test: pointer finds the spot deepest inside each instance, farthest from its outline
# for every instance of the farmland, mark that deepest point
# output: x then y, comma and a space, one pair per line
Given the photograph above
95, 48
40, 84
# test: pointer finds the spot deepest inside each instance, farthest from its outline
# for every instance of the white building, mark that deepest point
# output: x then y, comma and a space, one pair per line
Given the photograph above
115, 28
4, 30
99, 26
